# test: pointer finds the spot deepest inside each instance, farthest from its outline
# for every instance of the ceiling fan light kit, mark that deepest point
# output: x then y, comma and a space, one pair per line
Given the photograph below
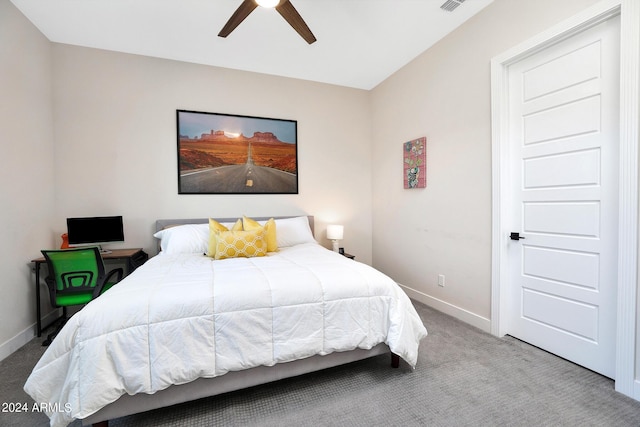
283, 7
268, 3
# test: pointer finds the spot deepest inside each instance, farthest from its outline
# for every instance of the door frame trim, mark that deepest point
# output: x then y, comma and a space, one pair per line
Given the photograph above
629, 11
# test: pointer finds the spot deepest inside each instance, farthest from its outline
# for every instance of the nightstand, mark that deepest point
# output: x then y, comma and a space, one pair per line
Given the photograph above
348, 255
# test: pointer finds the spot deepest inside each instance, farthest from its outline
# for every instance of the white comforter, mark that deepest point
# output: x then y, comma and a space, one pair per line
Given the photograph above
181, 317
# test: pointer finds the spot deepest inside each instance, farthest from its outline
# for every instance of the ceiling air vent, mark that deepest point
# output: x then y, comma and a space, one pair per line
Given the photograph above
451, 5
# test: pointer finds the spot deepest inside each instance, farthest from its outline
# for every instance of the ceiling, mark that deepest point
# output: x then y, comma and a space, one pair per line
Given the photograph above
360, 42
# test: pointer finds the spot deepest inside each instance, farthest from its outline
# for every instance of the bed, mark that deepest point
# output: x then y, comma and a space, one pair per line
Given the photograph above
186, 325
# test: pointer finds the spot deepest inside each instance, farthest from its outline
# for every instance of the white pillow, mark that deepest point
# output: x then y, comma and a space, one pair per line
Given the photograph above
184, 239
293, 231
194, 238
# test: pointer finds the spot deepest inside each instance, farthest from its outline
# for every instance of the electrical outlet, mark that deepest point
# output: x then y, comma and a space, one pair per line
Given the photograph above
441, 280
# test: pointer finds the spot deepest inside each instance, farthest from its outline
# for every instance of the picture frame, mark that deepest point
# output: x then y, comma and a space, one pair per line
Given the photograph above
415, 163
234, 154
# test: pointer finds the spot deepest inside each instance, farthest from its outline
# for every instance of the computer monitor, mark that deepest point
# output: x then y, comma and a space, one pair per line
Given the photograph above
95, 230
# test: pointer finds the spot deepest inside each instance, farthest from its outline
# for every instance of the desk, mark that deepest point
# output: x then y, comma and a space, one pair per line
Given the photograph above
133, 258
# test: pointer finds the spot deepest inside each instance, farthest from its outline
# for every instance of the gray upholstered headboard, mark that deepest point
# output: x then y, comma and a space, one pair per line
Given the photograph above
161, 224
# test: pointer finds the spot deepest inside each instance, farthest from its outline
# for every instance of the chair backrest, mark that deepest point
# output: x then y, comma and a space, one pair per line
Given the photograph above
73, 275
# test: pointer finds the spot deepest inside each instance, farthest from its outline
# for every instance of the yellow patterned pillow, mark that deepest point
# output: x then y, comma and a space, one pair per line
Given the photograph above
269, 228
214, 228
233, 244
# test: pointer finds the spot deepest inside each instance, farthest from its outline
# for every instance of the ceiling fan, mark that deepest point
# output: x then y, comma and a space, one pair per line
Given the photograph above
284, 8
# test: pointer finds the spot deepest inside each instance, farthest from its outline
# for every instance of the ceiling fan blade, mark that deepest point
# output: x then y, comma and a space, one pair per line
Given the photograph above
291, 15
238, 16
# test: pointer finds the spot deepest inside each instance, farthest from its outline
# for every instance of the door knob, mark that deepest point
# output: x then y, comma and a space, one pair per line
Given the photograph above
515, 236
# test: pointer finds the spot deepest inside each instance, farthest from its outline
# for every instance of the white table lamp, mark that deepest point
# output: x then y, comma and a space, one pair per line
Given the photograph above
335, 233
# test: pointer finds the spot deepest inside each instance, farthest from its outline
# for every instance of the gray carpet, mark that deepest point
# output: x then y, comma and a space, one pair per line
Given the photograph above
464, 377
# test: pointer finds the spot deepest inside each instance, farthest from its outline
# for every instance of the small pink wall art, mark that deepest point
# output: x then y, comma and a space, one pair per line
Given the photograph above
415, 163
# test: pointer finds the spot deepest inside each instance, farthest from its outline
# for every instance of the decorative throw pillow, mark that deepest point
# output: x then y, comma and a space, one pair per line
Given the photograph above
234, 244
269, 228
214, 228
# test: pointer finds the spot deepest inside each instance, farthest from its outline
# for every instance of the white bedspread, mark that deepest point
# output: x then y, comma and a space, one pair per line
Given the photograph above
181, 317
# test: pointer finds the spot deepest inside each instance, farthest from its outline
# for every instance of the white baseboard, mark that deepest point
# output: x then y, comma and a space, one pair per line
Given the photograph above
459, 313
7, 348
636, 390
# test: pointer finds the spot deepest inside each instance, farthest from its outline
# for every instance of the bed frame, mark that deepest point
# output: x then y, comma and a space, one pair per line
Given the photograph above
231, 381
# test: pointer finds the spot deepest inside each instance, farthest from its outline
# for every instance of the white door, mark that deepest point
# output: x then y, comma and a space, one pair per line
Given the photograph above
563, 127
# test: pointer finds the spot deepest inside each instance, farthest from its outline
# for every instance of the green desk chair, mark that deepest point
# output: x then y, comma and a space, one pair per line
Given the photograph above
76, 276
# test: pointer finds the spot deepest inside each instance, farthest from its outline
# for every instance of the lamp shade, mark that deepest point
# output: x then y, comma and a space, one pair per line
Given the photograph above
335, 232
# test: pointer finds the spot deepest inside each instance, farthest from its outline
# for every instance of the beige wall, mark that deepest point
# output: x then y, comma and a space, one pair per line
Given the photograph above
26, 169
444, 94
115, 143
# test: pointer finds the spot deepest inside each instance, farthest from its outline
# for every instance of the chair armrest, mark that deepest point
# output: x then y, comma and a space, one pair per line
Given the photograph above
119, 272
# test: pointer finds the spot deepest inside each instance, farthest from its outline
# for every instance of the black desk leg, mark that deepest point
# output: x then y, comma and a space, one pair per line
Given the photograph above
38, 310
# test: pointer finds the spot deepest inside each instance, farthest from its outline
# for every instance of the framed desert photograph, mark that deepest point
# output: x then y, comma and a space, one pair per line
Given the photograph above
231, 154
